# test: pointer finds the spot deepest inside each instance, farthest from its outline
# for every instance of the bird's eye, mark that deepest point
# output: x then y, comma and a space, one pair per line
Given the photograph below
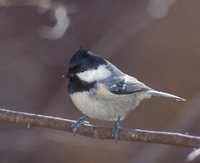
82, 69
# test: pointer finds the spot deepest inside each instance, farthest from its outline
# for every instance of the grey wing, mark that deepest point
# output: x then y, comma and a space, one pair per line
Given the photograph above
127, 85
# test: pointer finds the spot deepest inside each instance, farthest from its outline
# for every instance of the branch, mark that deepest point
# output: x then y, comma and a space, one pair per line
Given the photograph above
33, 120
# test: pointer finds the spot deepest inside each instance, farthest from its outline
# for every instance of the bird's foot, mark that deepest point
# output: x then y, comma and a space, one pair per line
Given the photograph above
116, 129
76, 125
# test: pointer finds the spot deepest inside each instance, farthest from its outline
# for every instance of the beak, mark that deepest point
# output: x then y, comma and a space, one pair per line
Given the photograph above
68, 75
65, 75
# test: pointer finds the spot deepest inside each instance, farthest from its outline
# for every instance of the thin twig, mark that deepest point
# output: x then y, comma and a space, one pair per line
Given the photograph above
33, 120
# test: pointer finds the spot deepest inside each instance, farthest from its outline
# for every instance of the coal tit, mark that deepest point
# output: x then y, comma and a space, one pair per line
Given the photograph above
102, 91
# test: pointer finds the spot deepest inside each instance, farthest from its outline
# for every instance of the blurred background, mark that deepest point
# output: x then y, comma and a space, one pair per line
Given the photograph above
158, 42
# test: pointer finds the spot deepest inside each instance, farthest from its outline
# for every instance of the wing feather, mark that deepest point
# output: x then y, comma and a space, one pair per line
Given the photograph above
127, 85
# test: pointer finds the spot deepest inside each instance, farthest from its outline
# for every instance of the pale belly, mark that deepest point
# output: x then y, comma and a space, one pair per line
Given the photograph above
105, 107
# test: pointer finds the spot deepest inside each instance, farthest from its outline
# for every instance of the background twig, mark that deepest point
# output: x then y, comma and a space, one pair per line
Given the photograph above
99, 132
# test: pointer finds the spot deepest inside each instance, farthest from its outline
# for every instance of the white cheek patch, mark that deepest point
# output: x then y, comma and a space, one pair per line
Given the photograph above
94, 75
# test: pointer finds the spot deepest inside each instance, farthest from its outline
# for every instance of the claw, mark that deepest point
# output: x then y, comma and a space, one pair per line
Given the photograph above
76, 125
116, 128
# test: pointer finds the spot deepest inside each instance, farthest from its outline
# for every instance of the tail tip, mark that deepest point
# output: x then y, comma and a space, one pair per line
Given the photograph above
180, 99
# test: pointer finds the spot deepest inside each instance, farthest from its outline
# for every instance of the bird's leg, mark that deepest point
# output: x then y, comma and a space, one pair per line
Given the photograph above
116, 129
76, 125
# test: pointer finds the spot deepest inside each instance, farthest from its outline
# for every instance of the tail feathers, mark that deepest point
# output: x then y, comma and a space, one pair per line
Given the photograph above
163, 94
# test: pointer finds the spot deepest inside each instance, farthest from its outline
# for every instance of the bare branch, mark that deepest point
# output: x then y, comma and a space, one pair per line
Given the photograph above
33, 120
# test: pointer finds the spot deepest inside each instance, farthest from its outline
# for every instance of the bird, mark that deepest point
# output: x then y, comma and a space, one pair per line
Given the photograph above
101, 91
